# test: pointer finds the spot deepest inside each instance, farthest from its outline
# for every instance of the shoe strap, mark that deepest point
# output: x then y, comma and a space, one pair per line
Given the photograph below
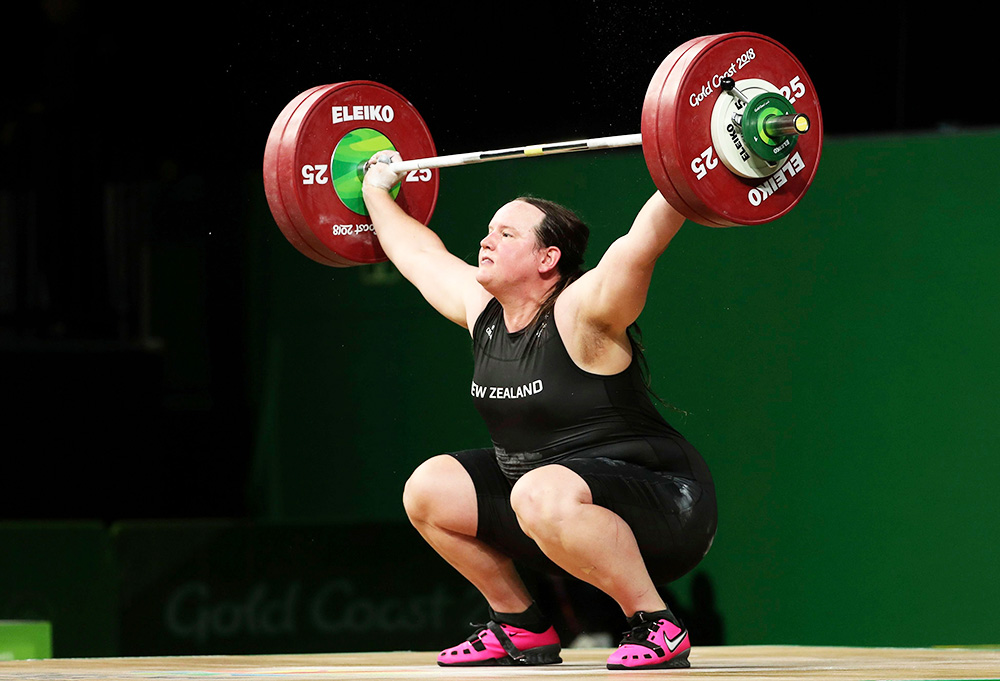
505, 641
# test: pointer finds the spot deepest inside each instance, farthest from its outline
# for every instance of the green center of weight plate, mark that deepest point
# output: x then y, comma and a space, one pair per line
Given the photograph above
758, 110
347, 162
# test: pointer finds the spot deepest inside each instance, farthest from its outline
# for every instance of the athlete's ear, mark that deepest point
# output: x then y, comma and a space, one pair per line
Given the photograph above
548, 259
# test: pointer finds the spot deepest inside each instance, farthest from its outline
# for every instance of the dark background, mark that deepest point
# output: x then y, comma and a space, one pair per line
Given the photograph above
131, 144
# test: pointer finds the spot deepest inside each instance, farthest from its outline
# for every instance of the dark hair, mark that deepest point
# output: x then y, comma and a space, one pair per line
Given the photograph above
562, 228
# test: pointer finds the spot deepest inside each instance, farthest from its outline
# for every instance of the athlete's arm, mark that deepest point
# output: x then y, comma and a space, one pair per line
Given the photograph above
610, 296
447, 282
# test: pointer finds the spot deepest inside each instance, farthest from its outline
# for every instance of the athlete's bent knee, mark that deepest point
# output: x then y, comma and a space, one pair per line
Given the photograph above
421, 488
439, 492
546, 496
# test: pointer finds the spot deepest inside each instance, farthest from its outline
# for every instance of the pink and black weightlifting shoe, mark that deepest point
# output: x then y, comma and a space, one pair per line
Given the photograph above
503, 644
652, 642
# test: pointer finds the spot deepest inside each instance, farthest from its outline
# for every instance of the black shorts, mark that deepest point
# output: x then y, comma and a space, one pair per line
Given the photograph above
673, 518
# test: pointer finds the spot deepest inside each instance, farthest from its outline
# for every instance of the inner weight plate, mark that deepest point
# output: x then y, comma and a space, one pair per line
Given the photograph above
682, 131
307, 152
728, 140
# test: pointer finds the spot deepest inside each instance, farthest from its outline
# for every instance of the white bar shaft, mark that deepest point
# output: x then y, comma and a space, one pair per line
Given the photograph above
517, 152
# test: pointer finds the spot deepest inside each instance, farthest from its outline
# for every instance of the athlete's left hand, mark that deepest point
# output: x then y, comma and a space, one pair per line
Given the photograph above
377, 172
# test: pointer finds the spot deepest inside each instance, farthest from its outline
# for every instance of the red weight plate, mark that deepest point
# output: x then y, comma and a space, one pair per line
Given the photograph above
310, 138
653, 130
272, 191
684, 133
298, 228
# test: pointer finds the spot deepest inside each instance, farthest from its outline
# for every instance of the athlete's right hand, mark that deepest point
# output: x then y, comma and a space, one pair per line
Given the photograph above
377, 172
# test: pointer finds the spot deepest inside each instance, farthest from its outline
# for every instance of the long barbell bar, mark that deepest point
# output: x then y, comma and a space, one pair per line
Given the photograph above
451, 160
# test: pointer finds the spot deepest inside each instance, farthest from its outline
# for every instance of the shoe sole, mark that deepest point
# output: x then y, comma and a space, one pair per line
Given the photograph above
679, 662
531, 657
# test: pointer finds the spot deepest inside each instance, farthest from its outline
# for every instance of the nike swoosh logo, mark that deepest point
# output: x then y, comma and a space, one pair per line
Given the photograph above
672, 643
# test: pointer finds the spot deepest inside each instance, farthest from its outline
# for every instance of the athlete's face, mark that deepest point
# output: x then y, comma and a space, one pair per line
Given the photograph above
509, 252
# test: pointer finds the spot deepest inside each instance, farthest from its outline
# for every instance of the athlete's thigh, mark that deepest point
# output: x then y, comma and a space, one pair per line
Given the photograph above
673, 518
497, 524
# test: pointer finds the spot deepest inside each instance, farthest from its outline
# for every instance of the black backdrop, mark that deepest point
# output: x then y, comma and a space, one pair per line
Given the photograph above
158, 113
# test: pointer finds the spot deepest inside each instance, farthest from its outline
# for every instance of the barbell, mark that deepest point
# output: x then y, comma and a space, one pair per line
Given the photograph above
731, 133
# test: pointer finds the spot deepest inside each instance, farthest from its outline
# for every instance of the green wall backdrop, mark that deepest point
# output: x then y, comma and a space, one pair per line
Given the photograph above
838, 368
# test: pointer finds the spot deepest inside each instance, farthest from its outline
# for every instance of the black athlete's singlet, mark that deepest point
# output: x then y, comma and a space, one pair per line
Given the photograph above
540, 407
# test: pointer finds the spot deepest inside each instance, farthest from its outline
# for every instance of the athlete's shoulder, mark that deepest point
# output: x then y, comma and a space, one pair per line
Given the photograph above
491, 309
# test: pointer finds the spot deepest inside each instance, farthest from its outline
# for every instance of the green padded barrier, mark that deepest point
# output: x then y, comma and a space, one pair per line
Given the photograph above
24, 640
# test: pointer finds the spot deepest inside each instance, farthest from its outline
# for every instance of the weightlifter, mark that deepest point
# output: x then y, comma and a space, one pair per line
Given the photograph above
584, 474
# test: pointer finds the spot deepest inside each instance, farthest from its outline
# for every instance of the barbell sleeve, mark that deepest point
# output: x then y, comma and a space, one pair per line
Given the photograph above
791, 124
